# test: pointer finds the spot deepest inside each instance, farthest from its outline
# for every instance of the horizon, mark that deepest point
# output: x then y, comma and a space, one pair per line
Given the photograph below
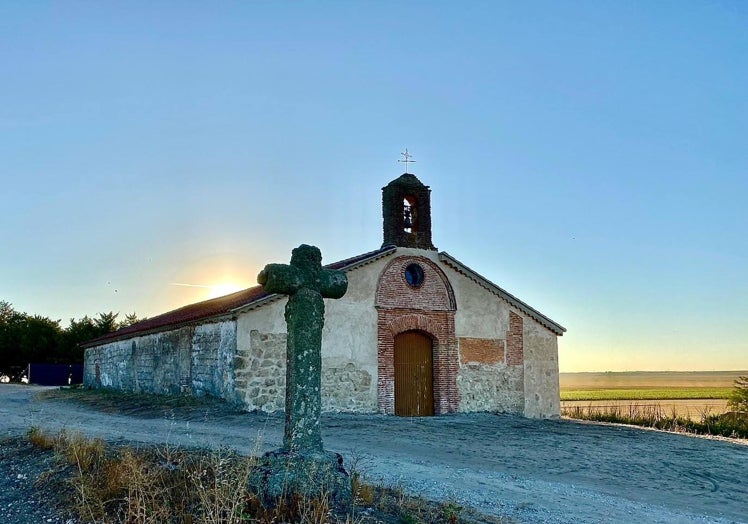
588, 159
659, 371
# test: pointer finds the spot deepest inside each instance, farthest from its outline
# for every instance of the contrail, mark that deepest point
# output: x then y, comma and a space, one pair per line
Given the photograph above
190, 285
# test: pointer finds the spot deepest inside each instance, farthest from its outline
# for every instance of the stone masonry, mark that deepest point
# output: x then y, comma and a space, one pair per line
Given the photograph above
261, 372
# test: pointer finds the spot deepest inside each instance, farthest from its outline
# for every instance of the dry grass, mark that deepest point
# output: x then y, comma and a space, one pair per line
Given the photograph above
114, 485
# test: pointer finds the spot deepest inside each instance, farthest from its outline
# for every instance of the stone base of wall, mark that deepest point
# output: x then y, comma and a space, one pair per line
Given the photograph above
497, 388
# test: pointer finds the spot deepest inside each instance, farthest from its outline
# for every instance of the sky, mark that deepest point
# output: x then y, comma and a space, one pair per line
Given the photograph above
588, 157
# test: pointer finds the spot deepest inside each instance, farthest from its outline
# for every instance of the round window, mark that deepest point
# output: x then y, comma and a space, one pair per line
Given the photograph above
414, 275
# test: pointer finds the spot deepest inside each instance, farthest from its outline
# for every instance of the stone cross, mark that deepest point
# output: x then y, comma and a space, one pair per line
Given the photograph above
306, 283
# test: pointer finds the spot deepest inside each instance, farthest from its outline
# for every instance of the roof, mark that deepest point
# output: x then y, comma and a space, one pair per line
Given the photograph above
227, 305
533, 313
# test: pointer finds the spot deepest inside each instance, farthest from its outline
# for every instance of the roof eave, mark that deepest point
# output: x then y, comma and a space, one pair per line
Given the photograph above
169, 327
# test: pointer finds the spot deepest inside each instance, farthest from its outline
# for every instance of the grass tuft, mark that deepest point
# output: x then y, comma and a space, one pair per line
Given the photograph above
40, 439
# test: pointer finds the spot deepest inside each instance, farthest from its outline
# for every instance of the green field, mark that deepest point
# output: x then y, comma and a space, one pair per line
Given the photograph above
678, 393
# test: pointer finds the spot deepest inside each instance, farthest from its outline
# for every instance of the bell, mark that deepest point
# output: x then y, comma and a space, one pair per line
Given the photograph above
407, 222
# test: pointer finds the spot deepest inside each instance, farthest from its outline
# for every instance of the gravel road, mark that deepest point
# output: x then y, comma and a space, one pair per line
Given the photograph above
533, 471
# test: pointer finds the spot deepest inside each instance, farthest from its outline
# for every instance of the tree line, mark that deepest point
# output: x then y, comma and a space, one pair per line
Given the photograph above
26, 338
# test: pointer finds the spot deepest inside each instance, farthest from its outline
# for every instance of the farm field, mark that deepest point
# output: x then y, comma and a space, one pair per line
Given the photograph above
645, 393
689, 394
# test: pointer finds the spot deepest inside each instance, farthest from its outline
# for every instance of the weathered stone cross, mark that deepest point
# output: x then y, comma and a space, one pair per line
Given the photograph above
306, 283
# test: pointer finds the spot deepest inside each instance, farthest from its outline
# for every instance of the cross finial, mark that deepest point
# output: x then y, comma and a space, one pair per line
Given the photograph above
407, 159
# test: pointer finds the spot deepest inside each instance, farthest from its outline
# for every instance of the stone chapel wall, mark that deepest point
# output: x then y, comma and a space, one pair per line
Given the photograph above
505, 362
192, 359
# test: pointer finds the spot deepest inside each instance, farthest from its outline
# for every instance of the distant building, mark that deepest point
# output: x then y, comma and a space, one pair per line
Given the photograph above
417, 333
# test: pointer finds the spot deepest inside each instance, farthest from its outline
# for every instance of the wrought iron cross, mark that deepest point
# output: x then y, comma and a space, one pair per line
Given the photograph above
407, 160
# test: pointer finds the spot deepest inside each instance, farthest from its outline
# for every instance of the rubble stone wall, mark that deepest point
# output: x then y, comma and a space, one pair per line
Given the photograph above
497, 388
261, 372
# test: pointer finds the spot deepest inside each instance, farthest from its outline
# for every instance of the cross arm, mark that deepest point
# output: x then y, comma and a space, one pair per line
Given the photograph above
333, 283
280, 278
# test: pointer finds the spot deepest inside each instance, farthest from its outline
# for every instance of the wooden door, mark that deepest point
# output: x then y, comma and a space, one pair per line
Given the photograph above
414, 384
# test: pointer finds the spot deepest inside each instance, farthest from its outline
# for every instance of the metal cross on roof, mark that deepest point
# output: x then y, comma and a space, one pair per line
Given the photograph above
407, 160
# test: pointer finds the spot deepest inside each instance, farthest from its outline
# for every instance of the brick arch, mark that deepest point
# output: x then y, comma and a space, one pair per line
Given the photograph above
412, 322
436, 293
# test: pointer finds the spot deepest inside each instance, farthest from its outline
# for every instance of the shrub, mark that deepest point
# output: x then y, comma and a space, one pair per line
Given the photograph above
739, 396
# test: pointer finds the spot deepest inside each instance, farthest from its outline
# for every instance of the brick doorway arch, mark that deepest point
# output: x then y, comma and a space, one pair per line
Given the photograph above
439, 327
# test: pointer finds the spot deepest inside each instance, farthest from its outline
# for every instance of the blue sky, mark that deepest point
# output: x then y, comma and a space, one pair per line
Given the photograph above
589, 157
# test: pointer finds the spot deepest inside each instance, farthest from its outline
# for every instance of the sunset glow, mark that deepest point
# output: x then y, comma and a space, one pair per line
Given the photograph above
211, 290
224, 288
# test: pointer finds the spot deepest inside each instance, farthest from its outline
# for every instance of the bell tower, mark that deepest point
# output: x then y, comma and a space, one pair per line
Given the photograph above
406, 213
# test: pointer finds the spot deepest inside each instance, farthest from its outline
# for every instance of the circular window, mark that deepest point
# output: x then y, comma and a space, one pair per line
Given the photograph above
414, 275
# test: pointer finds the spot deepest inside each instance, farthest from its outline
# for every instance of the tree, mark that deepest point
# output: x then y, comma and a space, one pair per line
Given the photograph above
85, 329
11, 326
106, 322
26, 338
739, 396
39, 340
33, 338
129, 320
77, 332
6, 311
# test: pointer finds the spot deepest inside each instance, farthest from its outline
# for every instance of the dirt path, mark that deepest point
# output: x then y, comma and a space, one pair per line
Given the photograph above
533, 471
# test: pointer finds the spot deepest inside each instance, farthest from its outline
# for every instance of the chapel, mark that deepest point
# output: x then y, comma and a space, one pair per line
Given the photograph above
417, 333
